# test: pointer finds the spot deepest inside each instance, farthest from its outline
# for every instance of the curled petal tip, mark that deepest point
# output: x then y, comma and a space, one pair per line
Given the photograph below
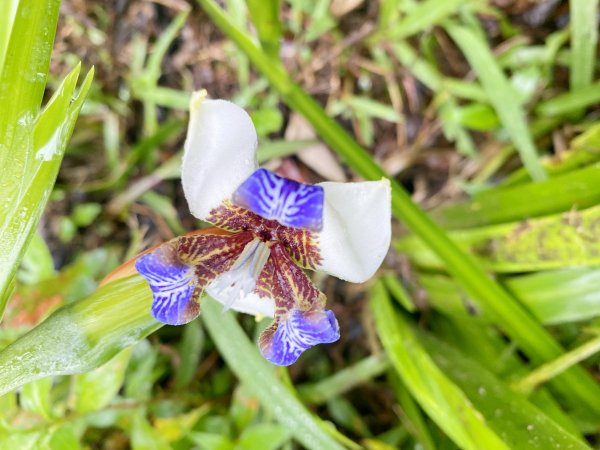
284, 342
197, 98
172, 284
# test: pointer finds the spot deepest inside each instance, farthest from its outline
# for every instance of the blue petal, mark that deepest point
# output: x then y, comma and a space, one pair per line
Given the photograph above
289, 202
298, 333
172, 283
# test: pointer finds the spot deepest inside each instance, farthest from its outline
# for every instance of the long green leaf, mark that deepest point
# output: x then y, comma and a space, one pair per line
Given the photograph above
577, 386
6, 25
442, 400
577, 189
553, 296
265, 16
550, 242
31, 144
520, 424
38, 168
259, 376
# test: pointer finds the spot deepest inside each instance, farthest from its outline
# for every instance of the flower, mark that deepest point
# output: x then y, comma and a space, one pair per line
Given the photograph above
267, 229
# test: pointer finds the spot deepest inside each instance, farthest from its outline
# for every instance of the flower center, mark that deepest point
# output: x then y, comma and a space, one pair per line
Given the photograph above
240, 279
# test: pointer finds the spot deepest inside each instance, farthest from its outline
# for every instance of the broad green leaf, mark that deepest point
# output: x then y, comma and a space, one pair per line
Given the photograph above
559, 296
520, 424
554, 296
80, 336
95, 389
252, 369
441, 399
34, 171
550, 242
26, 47
577, 189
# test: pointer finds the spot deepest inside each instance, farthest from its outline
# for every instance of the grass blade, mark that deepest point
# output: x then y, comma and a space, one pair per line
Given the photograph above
577, 189
265, 16
549, 370
521, 424
436, 394
501, 95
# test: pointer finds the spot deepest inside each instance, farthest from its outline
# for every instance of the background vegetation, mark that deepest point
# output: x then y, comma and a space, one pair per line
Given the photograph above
480, 331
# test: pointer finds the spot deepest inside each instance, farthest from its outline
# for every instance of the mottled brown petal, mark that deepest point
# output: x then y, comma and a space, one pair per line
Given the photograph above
301, 244
285, 282
211, 254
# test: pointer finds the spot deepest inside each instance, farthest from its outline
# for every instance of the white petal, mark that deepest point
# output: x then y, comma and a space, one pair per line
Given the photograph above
251, 304
219, 153
356, 229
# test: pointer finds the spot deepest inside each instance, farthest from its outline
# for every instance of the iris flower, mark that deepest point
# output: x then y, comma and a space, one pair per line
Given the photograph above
267, 231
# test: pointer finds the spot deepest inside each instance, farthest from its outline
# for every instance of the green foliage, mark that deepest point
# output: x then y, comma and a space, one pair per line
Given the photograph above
33, 142
492, 340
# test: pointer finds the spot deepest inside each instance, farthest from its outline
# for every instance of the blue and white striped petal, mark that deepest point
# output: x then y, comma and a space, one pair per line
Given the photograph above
302, 330
172, 283
290, 203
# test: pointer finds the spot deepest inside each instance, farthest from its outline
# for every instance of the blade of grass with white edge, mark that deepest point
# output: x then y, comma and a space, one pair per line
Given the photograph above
577, 386
441, 399
258, 375
501, 95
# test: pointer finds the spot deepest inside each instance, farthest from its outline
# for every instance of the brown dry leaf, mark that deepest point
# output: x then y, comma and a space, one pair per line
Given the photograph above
318, 157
